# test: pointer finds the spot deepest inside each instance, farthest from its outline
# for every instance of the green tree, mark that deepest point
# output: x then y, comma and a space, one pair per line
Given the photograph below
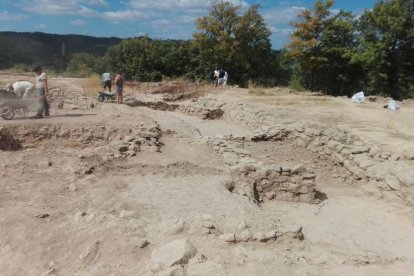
387, 33
237, 42
144, 59
324, 46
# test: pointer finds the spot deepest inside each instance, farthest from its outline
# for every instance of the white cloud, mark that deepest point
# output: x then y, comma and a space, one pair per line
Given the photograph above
78, 22
125, 15
41, 26
5, 16
56, 7
183, 5
282, 15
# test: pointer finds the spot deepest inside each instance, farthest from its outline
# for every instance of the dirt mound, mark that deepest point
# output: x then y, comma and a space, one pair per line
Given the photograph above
7, 140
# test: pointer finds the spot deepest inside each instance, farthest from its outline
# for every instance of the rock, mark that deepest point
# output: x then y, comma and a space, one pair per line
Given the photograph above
244, 236
243, 225
409, 155
122, 148
394, 157
270, 195
353, 168
259, 236
393, 182
126, 214
90, 252
271, 235
45, 164
207, 224
172, 227
298, 169
141, 243
131, 153
43, 216
50, 272
173, 253
73, 187
385, 155
79, 215
293, 232
228, 237
359, 149
129, 138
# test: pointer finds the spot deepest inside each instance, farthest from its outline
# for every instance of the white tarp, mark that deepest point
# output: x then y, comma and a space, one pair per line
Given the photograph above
358, 97
393, 105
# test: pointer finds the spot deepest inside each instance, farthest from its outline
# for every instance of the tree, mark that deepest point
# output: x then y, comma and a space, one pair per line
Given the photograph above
238, 42
324, 45
387, 34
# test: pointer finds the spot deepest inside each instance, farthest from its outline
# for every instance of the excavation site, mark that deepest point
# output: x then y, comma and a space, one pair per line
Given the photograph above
187, 179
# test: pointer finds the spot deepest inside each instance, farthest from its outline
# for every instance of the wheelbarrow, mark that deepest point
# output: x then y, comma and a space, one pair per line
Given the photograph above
10, 108
106, 96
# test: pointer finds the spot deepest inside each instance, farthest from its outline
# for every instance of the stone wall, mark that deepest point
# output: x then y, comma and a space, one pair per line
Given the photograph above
388, 171
259, 181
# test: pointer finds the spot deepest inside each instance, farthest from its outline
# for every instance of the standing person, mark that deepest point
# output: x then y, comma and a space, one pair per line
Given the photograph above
212, 77
225, 78
119, 83
222, 73
42, 91
107, 81
216, 77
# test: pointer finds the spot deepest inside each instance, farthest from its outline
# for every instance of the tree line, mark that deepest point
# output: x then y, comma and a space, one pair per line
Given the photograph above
338, 53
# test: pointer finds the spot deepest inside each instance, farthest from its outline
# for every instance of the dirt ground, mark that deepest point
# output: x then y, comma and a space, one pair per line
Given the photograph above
100, 191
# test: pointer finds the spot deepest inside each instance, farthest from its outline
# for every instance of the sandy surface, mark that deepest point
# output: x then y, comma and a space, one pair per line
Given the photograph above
71, 206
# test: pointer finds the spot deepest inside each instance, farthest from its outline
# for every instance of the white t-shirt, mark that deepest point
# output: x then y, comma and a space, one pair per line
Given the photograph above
21, 87
226, 76
106, 77
216, 73
40, 80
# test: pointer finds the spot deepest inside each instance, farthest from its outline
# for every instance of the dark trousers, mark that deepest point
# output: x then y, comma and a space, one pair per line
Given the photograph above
43, 104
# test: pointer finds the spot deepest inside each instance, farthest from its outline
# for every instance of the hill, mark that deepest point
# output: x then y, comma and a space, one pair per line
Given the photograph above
48, 49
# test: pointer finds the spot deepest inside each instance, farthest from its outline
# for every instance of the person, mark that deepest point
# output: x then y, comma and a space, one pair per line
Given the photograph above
107, 81
119, 83
212, 77
22, 89
225, 78
216, 77
222, 73
42, 91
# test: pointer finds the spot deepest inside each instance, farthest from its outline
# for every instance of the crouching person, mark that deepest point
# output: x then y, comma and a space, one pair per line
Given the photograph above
22, 89
41, 92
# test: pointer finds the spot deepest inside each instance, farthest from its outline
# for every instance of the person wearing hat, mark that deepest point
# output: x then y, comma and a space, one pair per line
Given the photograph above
42, 92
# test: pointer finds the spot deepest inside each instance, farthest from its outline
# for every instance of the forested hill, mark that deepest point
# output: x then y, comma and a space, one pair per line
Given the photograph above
48, 49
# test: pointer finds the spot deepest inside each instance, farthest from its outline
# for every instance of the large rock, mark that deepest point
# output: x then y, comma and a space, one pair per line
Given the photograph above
173, 253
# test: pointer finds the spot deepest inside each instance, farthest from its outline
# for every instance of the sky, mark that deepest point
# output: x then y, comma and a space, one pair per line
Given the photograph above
168, 19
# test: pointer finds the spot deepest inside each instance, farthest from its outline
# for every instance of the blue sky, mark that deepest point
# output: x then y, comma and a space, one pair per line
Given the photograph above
158, 19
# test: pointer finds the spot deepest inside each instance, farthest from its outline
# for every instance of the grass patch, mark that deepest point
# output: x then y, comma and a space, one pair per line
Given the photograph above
92, 85
255, 89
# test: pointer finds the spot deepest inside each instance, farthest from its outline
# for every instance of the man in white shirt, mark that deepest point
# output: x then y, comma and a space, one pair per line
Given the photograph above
42, 92
22, 89
106, 81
